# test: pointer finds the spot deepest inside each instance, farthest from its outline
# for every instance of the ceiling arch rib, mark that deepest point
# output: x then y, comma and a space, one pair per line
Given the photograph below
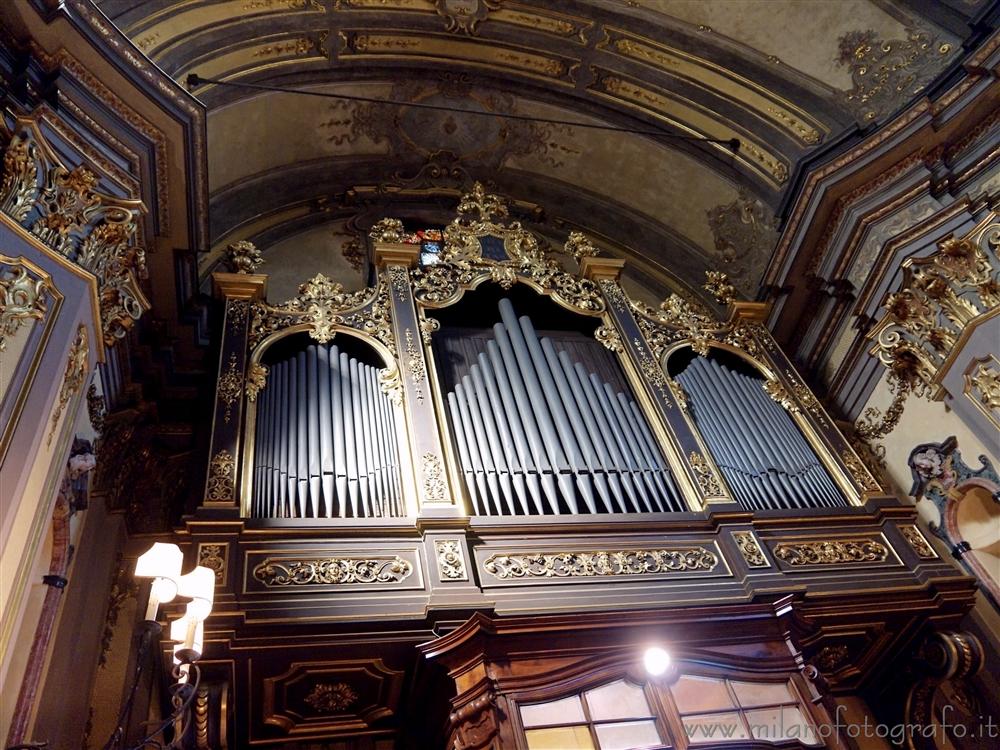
683, 68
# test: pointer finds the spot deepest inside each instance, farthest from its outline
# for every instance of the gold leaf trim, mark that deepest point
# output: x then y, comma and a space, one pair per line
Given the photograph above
626, 562
332, 571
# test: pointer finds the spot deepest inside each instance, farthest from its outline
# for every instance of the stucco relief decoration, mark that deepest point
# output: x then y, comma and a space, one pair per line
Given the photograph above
982, 386
940, 295
463, 16
243, 257
745, 233
65, 209
75, 375
22, 297
435, 147
938, 469
333, 570
889, 73
600, 563
451, 562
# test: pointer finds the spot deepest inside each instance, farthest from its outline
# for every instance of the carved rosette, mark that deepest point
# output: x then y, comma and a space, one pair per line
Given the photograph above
22, 296
332, 571
629, 562
326, 698
834, 552
750, 549
75, 375
451, 562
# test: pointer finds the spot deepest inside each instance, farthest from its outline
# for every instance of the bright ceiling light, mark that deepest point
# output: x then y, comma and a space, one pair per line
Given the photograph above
656, 660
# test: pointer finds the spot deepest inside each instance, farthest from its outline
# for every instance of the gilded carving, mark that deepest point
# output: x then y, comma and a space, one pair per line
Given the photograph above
388, 231
230, 388
221, 477
750, 549
22, 297
451, 562
859, 472
243, 257
609, 337
580, 246
19, 187
435, 489
779, 394
677, 391
428, 327
327, 698
96, 408
256, 380
717, 284
652, 370
332, 571
982, 386
213, 556
833, 552
415, 365
626, 562
237, 311
74, 376
708, 480
831, 658
918, 542
889, 73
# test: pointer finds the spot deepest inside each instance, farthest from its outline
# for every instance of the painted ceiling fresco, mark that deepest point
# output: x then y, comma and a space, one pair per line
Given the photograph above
785, 77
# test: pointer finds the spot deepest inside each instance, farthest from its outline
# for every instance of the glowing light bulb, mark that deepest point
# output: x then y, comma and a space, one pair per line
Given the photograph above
656, 660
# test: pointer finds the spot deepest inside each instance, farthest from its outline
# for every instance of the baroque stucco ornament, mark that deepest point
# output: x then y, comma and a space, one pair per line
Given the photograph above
22, 296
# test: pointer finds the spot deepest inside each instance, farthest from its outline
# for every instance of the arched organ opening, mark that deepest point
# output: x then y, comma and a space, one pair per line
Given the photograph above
545, 425
765, 460
326, 439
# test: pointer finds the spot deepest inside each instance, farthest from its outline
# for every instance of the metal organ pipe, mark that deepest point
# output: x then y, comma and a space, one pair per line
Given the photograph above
538, 433
765, 460
325, 441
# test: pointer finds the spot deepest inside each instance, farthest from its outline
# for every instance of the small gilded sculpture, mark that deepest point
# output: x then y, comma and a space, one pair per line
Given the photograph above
243, 257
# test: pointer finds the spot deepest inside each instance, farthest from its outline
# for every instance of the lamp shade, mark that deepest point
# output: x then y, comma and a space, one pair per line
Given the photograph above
199, 584
162, 560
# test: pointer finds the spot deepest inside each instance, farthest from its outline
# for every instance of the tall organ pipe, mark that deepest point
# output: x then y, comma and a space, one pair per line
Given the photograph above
550, 434
325, 442
764, 458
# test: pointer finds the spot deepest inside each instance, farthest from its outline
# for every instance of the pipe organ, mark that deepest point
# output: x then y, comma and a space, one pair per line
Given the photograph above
477, 413
762, 455
537, 433
325, 444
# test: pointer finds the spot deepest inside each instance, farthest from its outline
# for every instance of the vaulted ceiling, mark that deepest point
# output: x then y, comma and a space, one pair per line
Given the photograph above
304, 177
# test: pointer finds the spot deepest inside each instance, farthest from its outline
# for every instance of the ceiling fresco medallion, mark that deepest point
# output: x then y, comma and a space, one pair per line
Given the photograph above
464, 16
435, 137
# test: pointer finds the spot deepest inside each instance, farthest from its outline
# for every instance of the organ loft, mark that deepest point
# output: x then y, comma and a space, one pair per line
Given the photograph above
490, 375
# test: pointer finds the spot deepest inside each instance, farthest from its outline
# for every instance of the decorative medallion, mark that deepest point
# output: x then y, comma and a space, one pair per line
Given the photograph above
329, 699
918, 542
435, 489
451, 562
332, 571
708, 481
243, 257
463, 16
213, 556
835, 552
831, 658
22, 297
230, 388
221, 477
628, 562
750, 549
74, 376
